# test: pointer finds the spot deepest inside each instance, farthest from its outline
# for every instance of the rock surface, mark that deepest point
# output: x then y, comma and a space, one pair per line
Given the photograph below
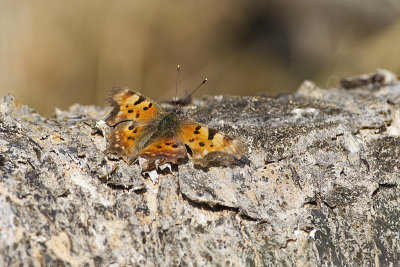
320, 186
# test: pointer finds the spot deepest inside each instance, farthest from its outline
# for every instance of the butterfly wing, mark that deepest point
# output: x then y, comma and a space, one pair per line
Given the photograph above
134, 118
133, 106
165, 149
209, 145
127, 139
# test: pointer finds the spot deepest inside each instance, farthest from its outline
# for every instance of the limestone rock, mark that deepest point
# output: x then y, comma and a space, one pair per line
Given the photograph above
320, 186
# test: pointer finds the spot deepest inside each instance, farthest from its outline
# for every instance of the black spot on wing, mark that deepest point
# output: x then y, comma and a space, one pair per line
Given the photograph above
149, 106
211, 133
196, 130
140, 100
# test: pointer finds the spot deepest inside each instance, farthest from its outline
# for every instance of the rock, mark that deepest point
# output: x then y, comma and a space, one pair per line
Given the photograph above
319, 187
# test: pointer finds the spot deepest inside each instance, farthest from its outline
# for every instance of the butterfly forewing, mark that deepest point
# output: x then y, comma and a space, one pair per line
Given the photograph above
131, 105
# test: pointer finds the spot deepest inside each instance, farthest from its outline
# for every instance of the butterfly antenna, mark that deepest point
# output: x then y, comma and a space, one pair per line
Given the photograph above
194, 91
178, 69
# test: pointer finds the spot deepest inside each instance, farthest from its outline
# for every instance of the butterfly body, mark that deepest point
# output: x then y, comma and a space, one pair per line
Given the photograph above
142, 129
166, 127
169, 122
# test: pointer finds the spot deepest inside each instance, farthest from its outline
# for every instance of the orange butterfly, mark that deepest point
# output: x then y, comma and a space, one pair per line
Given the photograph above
143, 129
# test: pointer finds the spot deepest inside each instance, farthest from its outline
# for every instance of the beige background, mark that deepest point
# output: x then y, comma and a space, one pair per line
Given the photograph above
56, 53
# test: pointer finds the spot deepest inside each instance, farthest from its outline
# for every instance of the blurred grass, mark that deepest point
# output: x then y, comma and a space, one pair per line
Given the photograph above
53, 54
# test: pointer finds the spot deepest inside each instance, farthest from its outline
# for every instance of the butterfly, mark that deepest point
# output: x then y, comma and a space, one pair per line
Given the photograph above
143, 130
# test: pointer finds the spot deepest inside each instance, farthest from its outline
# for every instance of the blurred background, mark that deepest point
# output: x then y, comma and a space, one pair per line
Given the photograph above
56, 53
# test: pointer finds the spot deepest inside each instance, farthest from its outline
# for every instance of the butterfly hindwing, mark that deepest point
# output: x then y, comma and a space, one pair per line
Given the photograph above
127, 139
131, 105
208, 144
166, 149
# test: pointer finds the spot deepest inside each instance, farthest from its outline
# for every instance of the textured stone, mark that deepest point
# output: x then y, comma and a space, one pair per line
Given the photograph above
319, 187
